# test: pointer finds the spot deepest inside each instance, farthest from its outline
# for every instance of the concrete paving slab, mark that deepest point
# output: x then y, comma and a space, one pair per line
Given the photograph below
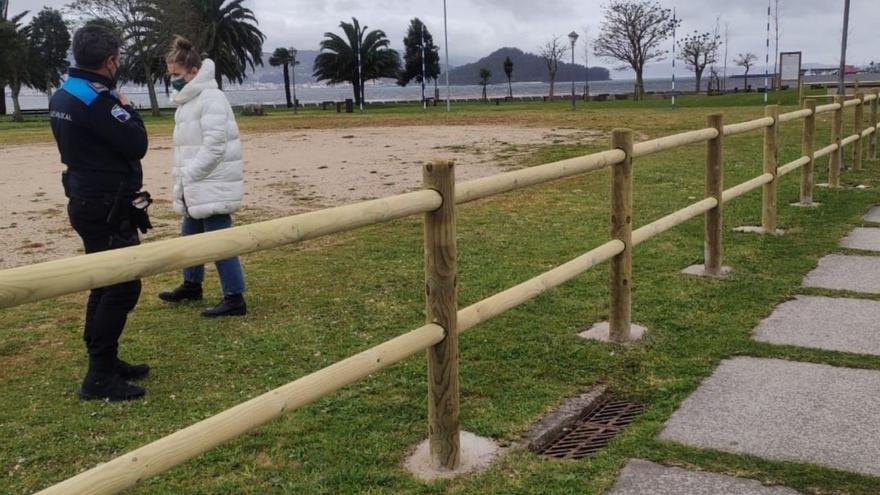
835, 324
864, 239
640, 477
783, 410
840, 272
873, 215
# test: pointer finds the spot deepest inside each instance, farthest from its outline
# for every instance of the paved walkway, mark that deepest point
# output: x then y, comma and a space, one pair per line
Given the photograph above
785, 410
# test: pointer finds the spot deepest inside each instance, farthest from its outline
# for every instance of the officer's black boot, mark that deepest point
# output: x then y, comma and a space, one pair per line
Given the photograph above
229, 306
131, 371
102, 382
188, 291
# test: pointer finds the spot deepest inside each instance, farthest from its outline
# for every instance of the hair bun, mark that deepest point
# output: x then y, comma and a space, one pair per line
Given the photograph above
181, 43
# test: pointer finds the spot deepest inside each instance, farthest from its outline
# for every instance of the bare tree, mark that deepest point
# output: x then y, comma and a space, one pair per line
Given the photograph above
746, 60
699, 50
552, 52
632, 32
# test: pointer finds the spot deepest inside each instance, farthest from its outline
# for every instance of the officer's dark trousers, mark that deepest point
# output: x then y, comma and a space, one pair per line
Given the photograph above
108, 307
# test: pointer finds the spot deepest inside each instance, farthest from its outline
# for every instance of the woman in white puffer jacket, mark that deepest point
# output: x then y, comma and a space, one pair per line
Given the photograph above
208, 183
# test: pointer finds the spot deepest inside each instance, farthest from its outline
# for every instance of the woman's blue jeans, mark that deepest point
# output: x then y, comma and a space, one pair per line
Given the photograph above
231, 274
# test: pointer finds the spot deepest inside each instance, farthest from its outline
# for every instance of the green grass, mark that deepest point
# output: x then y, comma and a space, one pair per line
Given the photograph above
318, 302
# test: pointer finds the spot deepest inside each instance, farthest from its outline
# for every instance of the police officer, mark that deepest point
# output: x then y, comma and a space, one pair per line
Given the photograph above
102, 140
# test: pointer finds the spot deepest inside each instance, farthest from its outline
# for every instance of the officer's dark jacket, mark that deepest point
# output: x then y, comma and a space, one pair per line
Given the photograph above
101, 140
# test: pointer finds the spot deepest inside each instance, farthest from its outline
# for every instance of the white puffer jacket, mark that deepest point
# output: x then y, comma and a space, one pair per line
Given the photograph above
207, 149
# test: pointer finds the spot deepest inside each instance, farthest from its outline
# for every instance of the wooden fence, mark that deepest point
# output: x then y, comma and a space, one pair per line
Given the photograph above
439, 336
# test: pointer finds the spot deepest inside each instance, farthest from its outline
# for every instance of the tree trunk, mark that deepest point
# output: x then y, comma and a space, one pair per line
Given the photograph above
357, 93
485, 96
16, 112
2, 99
552, 84
699, 75
509, 87
151, 89
746, 84
287, 86
640, 85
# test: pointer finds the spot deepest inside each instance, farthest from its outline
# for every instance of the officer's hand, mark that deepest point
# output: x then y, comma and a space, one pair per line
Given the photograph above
122, 98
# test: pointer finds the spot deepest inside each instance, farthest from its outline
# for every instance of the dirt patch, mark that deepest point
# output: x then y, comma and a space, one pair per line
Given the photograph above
285, 173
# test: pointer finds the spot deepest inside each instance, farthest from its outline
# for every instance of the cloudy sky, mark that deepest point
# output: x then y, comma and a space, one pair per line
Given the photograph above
477, 27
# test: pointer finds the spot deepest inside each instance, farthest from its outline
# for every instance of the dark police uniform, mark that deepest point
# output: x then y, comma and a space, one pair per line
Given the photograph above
102, 142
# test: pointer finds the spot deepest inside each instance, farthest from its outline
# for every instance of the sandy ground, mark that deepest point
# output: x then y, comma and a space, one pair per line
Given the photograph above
285, 173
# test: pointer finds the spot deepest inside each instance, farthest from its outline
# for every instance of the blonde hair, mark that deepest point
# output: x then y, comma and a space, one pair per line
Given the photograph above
184, 54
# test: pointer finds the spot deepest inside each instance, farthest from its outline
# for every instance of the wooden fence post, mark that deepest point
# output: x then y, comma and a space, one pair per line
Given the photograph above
858, 126
714, 189
620, 318
771, 134
808, 145
836, 132
872, 141
441, 290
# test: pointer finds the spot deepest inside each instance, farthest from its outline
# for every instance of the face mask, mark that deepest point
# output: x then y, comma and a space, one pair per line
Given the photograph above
115, 75
178, 83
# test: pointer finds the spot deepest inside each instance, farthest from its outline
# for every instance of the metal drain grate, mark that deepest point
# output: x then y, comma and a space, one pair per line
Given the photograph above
593, 432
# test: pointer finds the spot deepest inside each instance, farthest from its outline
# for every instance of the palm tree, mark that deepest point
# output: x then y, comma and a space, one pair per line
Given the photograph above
146, 33
508, 69
357, 58
14, 52
229, 35
286, 58
4, 10
485, 75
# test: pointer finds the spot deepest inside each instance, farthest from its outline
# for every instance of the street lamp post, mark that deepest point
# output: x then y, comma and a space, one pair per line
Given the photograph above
446, 49
841, 75
293, 54
573, 36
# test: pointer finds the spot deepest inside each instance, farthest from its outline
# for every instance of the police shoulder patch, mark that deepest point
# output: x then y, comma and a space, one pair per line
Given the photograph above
120, 113
100, 88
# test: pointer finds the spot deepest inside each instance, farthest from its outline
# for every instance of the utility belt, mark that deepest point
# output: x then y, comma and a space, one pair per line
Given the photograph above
125, 210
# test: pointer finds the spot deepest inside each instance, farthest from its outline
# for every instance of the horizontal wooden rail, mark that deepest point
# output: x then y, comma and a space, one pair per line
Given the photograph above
867, 132
488, 186
792, 166
136, 466
751, 125
790, 116
55, 278
670, 142
830, 107
670, 221
871, 97
493, 306
737, 191
849, 140
831, 148
852, 103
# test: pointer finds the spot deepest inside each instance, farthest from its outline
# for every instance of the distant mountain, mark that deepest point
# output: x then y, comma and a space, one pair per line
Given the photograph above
269, 74
527, 67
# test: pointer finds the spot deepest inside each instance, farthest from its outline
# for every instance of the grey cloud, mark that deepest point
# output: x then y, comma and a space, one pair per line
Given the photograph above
477, 27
